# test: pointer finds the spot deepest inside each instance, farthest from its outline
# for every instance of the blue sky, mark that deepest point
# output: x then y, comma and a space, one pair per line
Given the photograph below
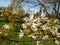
26, 6
4, 3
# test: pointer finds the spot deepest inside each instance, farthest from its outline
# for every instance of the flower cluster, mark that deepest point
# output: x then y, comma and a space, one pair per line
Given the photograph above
6, 26
40, 27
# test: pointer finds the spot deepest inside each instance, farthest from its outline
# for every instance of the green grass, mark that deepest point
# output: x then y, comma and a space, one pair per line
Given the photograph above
14, 35
2, 23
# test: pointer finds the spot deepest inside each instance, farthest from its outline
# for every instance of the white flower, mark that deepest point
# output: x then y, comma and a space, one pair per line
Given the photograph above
45, 37
31, 17
21, 31
26, 19
43, 27
24, 26
43, 14
21, 34
33, 27
28, 24
35, 20
32, 11
57, 42
57, 33
52, 31
34, 37
56, 20
56, 30
6, 26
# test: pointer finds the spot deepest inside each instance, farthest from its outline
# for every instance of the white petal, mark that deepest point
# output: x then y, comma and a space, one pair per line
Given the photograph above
21, 35
6, 26
24, 26
57, 42
34, 37
45, 37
